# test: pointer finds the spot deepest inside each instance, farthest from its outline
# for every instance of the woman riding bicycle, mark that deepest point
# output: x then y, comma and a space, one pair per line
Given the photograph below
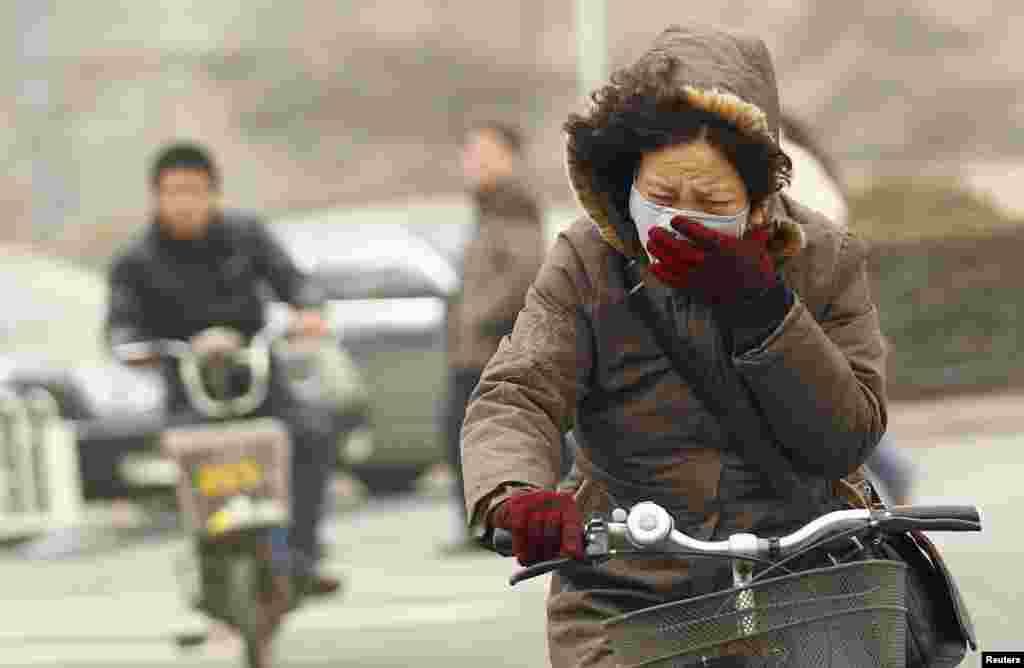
677, 165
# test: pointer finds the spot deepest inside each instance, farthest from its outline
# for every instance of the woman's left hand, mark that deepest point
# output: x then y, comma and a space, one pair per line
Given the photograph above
718, 268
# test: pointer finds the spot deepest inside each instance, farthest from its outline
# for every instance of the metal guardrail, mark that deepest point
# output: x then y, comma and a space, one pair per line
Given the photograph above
15, 448
40, 487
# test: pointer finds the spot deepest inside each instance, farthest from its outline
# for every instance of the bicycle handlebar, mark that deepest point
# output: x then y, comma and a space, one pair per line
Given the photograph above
181, 350
648, 526
256, 354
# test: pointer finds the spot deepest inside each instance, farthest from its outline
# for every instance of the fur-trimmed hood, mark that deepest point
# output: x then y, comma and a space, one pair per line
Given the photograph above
722, 72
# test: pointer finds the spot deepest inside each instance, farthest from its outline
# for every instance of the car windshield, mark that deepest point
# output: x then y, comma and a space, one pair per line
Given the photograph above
367, 260
52, 309
399, 250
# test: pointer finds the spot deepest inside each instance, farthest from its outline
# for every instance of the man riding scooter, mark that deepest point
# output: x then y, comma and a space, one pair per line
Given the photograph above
197, 268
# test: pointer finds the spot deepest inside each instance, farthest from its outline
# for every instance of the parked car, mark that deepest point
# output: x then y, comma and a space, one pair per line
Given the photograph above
386, 290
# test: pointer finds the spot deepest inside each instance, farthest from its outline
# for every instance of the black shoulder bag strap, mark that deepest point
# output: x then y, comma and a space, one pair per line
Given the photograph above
748, 432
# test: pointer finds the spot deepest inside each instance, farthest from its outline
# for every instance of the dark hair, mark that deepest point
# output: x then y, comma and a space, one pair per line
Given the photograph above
509, 134
644, 109
184, 155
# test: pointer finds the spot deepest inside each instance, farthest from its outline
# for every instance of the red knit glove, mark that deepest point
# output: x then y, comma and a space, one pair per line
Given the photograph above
544, 526
719, 269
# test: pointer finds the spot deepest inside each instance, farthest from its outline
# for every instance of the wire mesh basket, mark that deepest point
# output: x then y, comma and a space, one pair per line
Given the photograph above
846, 616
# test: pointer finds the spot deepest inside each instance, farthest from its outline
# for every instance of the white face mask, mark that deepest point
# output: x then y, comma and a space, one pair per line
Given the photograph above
647, 215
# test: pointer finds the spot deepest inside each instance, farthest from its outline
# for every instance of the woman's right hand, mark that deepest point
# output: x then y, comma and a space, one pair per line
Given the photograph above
544, 525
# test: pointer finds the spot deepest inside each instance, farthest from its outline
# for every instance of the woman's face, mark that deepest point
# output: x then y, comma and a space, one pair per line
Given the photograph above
694, 176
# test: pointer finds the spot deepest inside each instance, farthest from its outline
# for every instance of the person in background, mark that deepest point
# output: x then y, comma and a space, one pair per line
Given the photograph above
499, 263
196, 267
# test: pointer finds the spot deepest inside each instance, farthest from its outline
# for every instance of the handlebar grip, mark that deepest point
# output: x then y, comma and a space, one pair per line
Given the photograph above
501, 539
539, 569
934, 518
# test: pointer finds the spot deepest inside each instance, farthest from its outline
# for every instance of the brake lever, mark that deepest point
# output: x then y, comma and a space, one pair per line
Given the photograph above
595, 551
539, 569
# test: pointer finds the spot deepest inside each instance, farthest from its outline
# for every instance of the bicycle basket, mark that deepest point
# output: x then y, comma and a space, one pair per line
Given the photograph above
846, 616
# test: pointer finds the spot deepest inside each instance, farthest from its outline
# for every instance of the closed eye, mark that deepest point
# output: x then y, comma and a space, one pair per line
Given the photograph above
664, 199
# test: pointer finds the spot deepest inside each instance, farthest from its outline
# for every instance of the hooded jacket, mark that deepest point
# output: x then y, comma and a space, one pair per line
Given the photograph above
578, 358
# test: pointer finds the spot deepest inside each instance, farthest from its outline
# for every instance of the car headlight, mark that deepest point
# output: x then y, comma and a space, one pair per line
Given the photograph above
356, 446
115, 389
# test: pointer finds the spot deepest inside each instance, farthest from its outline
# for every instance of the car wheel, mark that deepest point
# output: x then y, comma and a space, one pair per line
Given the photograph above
381, 480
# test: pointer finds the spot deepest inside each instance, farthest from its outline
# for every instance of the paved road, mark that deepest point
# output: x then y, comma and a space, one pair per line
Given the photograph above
406, 607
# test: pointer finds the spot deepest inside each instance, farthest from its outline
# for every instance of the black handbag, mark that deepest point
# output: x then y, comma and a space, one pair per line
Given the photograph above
939, 627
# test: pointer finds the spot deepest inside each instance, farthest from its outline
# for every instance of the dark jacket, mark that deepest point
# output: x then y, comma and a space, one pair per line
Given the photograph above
165, 288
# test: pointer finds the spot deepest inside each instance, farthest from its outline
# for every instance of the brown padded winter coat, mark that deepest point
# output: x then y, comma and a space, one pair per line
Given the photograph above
578, 358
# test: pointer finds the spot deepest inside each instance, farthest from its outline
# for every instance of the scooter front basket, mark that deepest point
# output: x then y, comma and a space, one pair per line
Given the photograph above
234, 475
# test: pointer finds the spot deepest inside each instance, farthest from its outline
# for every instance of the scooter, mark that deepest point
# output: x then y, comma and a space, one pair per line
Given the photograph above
234, 484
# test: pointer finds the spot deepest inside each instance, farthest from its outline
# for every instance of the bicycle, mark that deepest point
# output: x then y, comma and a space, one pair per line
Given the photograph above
847, 615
